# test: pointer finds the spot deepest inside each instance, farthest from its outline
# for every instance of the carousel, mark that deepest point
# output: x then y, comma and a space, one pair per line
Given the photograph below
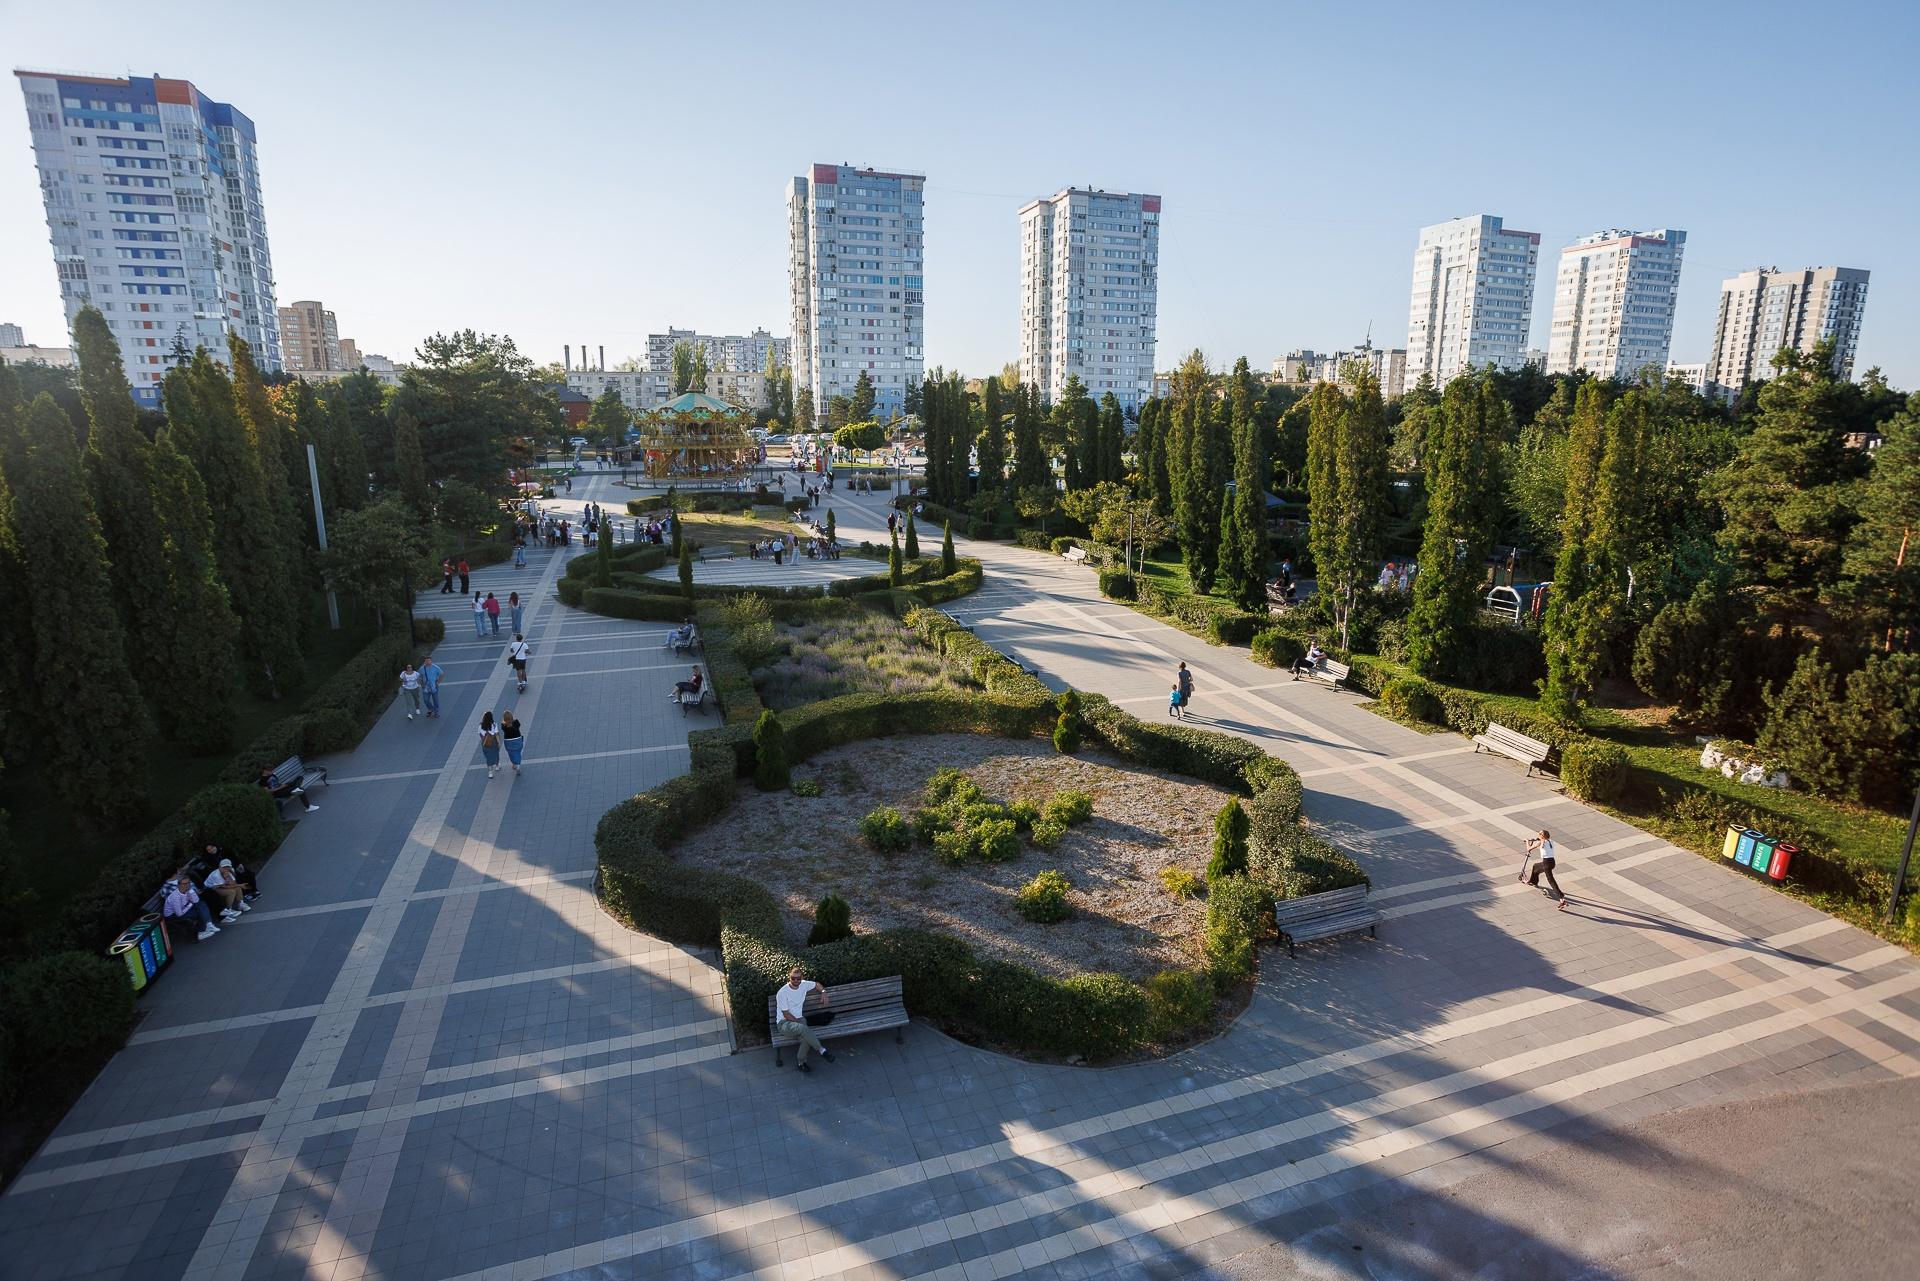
695, 436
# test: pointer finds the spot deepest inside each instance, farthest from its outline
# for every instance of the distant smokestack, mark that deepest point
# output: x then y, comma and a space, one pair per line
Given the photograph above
566, 360
603, 358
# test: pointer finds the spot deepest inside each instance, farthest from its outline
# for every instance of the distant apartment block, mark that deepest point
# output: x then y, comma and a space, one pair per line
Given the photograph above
154, 209
741, 353
1472, 297
855, 264
1613, 302
309, 338
1765, 310
1089, 285
28, 354
1693, 375
1388, 365
12, 336
350, 355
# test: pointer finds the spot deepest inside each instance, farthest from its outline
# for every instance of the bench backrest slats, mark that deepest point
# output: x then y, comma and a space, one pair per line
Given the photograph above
1515, 739
1313, 906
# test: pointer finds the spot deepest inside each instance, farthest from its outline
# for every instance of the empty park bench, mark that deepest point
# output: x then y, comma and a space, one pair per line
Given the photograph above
1319, 916
716, 551
1329, 670
1075, 555
1531, 752
297, 772
871, 1005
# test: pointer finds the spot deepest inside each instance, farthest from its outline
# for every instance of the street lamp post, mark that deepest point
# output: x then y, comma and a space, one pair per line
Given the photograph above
1906, 855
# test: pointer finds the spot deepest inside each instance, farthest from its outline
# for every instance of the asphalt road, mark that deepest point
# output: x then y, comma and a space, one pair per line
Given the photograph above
1800, 1187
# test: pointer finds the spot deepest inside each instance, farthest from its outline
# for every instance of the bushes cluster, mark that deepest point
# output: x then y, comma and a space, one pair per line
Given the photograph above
1410, 698
961, 823
1178, 1001
1044, 898
1117, 585
1219, 621
1181, 883
64, 1009
1034, 540
1276, 648
885, 830
1594, 770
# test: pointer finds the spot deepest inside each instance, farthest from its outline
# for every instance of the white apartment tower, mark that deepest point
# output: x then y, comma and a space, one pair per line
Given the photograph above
310, 338
153, 203
737, 353
1089, 284
1766, 309
855, 266
1613, 302
1472, 297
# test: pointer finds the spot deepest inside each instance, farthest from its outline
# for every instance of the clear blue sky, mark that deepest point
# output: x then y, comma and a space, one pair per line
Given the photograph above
591, 172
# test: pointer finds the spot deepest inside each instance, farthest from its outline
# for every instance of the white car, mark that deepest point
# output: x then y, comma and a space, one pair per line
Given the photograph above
578, 442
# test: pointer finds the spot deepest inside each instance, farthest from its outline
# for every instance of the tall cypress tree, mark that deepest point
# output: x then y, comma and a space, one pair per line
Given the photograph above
1201, 484
993, 439
1030, 463
207, 428
1326, 408
960, 438
195, 647
1155, 454
1459, 529
1113, 438
913, 538
933, 421
95, 731
410, 466
1243, 532
19, 696
273, 445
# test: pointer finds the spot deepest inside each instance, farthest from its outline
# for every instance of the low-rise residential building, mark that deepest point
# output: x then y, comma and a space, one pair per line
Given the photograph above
28, 354
1388, 365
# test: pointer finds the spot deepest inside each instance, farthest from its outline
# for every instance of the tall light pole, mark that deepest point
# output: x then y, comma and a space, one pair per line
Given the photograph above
1906, 854
320, 529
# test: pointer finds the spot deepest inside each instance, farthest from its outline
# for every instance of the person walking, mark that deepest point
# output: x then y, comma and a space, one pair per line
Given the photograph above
512, 737
517, 654
430, 674
490, 742
1176, 704
463, 575
492, 605
446, 576
516, 609
791, 1004
410, 689
519, 553
1186, 689
479, 617
1541, 847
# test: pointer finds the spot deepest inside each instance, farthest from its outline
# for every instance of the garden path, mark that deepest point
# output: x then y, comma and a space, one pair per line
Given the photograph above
428, 1055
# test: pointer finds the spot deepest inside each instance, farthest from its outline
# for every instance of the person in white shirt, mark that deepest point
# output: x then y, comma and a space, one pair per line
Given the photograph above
517, 655
791, 1003
225, 886
183, 904
1542, 847
410, 686
1314, 656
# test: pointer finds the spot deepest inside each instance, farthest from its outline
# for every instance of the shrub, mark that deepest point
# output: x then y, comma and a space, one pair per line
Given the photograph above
1062, 545
1024, 815
771, 771
1277, 649
1034, 540
953, 846
429, 631
949, 785
885, 830
1411, 698
1068, 730
1096, 1016
1116, 585
1235, 628
1236, 916
1181, 883
1230, 829
832, 921
330, 729
1299, 863
1044, 898
621, 602
931, 822
65, 1006
806, 787
1069, 808
1047, 834
1178, 1001
238, 817
996, 840
1595, 771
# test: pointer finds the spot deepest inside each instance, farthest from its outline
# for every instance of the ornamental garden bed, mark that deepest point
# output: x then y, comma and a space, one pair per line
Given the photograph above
1124, 919
846, 649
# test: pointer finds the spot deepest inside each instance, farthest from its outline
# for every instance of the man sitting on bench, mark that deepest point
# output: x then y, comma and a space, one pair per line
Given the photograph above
681, 636
183, 904
791, 1001
289, 788
689, 687
1315, 656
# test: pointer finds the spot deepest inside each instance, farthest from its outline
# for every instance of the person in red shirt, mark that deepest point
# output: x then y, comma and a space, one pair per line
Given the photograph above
492, 607
463, 575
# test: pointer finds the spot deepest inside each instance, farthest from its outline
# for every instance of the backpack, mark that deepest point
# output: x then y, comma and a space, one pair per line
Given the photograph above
489, 739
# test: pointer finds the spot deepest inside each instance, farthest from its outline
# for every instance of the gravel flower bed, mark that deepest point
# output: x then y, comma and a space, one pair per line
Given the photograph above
1123, 919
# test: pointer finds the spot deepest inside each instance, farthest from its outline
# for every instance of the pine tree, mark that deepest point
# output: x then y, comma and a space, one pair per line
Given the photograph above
1201, 487
1883, 553
1459, 529
934, 426
1243, 531
913, 539
410, 466
19, 701
206, 427
860, 408
95, 732
196, 646
960, 438
1031, 467
1347, 485
1155, 453
1072, 420
893, 560
993, 439
1327, 410
286, 484
949, 566
1113, 440
830, 526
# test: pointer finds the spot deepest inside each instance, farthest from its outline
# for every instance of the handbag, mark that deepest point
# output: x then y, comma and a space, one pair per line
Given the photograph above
819, 1018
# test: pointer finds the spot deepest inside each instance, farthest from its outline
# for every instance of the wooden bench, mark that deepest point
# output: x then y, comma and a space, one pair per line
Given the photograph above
1076, 555
872, 1005
1531, 752
1328, 670
716, 552
300, 774
692, 642
1319, 916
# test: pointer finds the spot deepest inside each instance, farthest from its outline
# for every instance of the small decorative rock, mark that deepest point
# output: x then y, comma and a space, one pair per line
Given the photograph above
1752, 772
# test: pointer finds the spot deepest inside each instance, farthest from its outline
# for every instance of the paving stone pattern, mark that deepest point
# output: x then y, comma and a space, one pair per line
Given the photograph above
427, 1054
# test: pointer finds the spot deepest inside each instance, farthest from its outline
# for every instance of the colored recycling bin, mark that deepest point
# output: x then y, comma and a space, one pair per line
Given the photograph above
1762, 856
1732, 845
128, 951
1782, 857
144, 949
1743, 851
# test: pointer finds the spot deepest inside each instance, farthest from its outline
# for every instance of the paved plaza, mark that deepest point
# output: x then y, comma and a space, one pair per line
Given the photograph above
427, 1054
747, 571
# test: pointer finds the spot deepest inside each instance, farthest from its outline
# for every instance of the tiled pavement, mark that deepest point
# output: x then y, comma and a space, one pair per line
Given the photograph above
428, 1055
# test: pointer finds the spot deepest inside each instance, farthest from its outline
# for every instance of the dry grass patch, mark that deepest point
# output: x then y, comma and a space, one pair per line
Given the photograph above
866, 652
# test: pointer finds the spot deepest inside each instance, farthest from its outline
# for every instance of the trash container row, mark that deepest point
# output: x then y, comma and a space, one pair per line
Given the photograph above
1757, 852
145, 950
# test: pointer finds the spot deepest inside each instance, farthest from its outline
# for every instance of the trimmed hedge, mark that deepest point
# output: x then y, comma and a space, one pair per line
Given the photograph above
65, 1011
1117, 585
1594, 770
1411, 698
429, 631
240, 818
986, 665
619, 602
1300, 863
1277, 649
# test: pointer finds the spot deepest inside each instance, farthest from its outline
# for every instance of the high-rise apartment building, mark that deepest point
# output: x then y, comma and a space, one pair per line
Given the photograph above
12, 336
310, 338
153, 202
855, 266
1472, 297
1089, 284
737, 353
350, 355
1613, 302
1766, 309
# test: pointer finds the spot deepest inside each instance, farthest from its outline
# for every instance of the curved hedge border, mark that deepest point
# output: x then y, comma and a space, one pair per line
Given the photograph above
1091, 1015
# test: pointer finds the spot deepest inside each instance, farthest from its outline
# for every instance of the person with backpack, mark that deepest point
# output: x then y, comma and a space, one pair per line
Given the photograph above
512, 737
490, 743
517, 654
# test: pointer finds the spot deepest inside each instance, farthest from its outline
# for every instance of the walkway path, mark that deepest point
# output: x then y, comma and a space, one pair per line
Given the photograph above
428, 1055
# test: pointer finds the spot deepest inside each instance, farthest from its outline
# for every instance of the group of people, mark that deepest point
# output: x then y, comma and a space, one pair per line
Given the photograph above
1181, 693
449, 570
486, 614
508, 732
658, 531
1398, 576
230, 884
420, 687
1284, 590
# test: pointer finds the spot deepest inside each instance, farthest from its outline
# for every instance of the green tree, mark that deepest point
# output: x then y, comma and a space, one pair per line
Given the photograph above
913, 539
1290, 444
195, 644
609, 417
697, 380
410, 466
1230, 829
1204, 448
681, 365
1347, 484
961, 434
465, 512
993, 438
470, 395
1075, 422
1243, 532
860, 406
801, 420
376, 554
861, 437
1419, 411
287, 491
771, 771
95, 732
1459, 528
1036, 503
1031, 466
893, 560
831, 531
1883, 552
934, 428
1111, 463
206, 427
686, 566
949, 565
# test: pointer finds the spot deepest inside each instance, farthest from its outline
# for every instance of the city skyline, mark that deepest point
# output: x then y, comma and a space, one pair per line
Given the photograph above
1265, 257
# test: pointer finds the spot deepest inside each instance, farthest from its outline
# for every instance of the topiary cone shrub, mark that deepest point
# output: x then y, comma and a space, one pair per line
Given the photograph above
832, 921
771, 770
686, 568
1230, 828
948, 563
913, 539
1070, 728
893, 561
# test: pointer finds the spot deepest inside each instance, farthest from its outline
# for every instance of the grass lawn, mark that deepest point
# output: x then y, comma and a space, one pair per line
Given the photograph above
57, 855
708, 528
864, 652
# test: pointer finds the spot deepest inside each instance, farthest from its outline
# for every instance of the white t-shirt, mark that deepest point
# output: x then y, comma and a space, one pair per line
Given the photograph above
1545, 850
518, 651
792, 1001
221, 876
409, 680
